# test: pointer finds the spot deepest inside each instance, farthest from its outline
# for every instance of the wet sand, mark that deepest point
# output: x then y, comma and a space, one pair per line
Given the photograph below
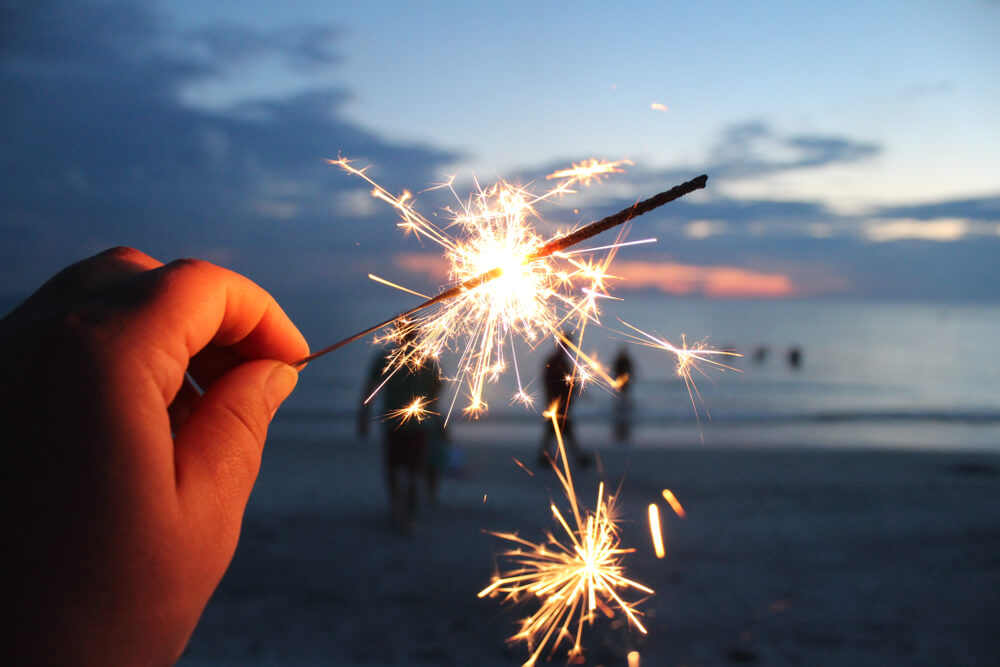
788, 556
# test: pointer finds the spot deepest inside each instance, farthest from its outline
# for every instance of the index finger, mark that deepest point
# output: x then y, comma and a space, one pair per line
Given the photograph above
187, 304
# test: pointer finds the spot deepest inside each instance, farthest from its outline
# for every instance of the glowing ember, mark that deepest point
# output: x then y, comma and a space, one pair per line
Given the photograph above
675, 504
570, 577
656, 530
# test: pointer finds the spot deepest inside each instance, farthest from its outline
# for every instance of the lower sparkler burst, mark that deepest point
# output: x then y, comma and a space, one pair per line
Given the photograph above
571, 576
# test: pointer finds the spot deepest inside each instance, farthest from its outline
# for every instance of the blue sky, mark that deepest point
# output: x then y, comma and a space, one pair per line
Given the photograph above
852, 148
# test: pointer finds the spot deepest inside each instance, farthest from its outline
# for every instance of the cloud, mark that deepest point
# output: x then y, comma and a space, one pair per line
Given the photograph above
100, 149
711, 281
985, 209
305, 46
941, 230
752, 149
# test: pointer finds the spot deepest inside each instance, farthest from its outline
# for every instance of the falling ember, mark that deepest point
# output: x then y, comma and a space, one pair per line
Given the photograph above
656, 106
656, 530
633, 659
523, 467
675, 504
571, 578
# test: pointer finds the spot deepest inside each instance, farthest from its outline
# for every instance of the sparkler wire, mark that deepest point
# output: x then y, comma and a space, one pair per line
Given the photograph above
551, 247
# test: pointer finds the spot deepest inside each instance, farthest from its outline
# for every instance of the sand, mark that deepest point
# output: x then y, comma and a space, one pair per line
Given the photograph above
788, 556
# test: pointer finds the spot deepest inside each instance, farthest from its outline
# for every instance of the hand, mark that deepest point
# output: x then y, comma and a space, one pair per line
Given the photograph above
122, 489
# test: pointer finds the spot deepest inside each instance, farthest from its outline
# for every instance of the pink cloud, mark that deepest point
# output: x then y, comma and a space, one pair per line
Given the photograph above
713, 281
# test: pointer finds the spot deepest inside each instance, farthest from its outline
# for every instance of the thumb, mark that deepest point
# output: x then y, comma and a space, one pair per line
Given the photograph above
217, 451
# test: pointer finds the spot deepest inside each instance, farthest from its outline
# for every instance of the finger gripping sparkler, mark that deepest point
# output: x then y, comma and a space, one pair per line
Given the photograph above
556, 245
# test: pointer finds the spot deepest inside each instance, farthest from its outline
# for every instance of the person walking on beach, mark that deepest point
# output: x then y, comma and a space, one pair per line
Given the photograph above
624, 375
558, 377
406, 442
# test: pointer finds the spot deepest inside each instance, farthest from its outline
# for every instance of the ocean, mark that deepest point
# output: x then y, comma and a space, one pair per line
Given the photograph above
900, 375
872, 374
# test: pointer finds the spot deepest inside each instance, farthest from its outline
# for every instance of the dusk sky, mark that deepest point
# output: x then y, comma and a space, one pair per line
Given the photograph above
852, 148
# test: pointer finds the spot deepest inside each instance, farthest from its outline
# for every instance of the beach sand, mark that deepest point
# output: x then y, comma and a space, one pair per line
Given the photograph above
789, 556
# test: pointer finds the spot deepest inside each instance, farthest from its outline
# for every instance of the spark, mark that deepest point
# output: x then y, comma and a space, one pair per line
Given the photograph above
587, 171
523, 467
383, 281
572, 576
675, 504
416, 410
656, 530
689, 359
633, 659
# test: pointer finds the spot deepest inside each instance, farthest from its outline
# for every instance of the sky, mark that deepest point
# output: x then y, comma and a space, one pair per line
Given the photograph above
852, 148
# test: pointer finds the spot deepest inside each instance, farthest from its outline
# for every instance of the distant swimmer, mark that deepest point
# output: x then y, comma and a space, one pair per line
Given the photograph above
760, 354
795, 357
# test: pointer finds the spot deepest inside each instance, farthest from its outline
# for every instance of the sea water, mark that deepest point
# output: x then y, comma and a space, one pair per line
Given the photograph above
912, 375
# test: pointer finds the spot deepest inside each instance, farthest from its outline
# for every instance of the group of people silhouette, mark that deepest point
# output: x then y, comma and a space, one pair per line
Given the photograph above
415, 451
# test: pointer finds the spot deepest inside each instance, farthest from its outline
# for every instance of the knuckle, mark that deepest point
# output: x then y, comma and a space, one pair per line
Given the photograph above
121, 252
189, 264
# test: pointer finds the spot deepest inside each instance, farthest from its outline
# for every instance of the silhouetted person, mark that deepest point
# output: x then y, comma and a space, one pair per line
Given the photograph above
624, 373
406, 443
795, 357
558, 378
760, 354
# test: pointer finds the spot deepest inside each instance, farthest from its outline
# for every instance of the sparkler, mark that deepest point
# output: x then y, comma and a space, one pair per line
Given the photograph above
572, 576
505, 280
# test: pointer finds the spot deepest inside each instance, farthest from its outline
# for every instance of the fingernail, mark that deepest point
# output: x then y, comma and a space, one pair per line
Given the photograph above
279, 385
